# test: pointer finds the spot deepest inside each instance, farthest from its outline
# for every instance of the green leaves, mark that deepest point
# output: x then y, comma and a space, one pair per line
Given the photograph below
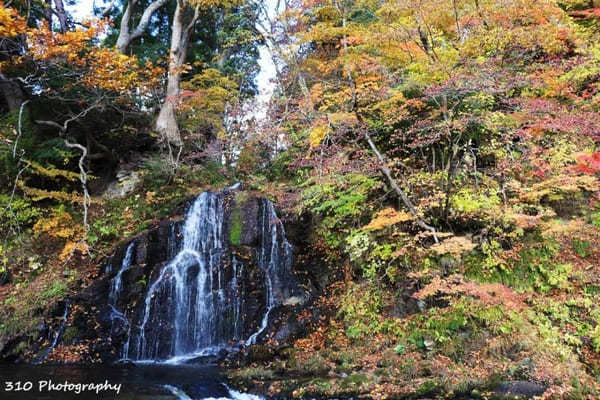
342, 202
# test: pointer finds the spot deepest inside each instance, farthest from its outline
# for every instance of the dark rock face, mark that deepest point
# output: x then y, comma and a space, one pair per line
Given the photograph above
222, 277
520, 389
4, 278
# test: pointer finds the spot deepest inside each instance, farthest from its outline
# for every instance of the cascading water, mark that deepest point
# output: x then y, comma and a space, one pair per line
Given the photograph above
275, 251
61, 329
113, 297
117, 282
186, 283
197, 304
236, 287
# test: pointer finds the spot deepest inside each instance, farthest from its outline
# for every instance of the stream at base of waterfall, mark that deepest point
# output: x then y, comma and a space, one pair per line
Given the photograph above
93, 382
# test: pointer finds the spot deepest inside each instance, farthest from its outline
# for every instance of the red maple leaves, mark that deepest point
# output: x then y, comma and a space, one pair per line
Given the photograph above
589, 164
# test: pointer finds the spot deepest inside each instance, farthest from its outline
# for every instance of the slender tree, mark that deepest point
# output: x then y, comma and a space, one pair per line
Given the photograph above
166, 124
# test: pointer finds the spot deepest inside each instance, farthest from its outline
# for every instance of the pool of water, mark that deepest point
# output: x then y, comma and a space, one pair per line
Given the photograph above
120, 381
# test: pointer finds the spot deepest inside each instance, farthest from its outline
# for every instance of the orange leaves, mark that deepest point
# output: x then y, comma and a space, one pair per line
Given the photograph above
455, 246
98, 67
388, 217
11, 23
490, 294
588, 13
110, 70
68, 354
44, 44
355, 40
315, 341
77, 55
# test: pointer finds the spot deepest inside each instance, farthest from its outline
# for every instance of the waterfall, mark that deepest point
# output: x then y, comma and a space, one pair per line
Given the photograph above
237, 288
275, 252
196, 303
113, 297
61, 328
187, 300
186, 282
117, 282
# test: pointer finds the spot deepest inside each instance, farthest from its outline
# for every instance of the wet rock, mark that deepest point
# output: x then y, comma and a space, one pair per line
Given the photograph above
125, 183
249, 218
259, 353
408, 306
520, 388
4, 277
292, 328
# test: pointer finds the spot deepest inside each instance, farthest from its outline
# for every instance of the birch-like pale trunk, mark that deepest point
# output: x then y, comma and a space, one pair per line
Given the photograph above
166, 123
128, 35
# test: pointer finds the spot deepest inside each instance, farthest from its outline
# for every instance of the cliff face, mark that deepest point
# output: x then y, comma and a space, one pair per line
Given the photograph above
217, 278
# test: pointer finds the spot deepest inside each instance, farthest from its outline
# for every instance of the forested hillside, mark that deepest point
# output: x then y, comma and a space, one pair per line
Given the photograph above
443, 156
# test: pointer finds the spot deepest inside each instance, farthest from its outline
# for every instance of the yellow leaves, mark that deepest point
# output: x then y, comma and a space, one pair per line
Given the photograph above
557, 187
327, 13
321, 129
388, 217
72, 246
205, 99
11, 23
61, 226
318, 134
52, 172
41, 194
58, 225
151, 197
454, 246
342, 119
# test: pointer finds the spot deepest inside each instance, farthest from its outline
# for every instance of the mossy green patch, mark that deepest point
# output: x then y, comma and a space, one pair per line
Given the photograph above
535, 268
235, 230
70, 334
56, 289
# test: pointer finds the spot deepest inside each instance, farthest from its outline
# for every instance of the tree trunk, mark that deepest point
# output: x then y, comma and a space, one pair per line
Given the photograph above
12, 92
126, 35
48, 12
62, 15
166, 123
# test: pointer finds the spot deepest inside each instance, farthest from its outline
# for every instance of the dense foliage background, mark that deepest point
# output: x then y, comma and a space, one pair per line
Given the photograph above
448, 151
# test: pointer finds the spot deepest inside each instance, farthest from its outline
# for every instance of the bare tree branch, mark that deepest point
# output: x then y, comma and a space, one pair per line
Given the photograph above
83, 179
386, 171
19, 128
82, 172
